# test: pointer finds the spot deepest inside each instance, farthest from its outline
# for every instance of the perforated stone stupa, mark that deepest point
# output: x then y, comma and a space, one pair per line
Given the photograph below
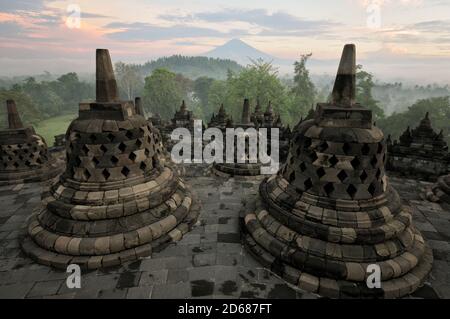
440, 192
116, 201
245, 167
420, 152
24, 154
330, 212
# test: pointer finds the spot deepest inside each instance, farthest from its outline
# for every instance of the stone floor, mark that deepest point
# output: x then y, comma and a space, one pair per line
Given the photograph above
208, 262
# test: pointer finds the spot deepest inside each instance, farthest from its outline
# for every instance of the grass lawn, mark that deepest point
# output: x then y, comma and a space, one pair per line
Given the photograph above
54, 126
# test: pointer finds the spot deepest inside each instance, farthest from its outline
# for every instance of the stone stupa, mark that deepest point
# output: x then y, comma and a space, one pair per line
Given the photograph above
440, 192
24, 154
420, 152
116, 201
244, 166
330, 212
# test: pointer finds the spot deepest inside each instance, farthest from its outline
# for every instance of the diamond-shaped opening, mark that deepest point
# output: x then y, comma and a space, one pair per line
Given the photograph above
323, 146
138, 143
372, 189
106, 174
291, 177
154, 161
147, 152
313, 157
363, 176
27, 163
85, 149
125, 171
9, 158
298, 151
25, 151
86, 174
380, 148
16, 164
307, 142
77, 161
342, 175
143, 166
346, 148
308, 184
333, 160
132, 156
351, 190
111, 137
320, 172
374, 161
31, 155
365, 149
384, 158
114, 160
129, 134
21, 157
122, 147
378, 174
71, 146
15, 152
355, 162
95, 160
93, 137
39, 161
103, 148
302, 166
328, 188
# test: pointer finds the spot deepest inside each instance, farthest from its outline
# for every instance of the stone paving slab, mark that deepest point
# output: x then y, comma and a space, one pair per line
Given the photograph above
208, 262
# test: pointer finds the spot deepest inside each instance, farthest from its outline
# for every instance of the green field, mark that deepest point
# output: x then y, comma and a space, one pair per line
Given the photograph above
54, 126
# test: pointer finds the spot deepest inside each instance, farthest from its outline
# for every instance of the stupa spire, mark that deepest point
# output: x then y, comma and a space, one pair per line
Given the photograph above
106, 85
344, 89
246, 112
138, 105
14, 121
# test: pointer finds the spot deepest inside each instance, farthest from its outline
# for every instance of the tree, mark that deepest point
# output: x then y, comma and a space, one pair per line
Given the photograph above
162, 93
257, 81
129, 79
439, 114
303, 90
364, 87
25, 105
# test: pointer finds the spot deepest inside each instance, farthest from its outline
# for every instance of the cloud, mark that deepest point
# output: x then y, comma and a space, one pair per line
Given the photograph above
10, 29
149, 32
21, 5
273, 23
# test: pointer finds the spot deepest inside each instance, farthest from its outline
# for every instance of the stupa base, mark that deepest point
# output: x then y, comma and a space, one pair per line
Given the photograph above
44, 173
231, 170
58, 251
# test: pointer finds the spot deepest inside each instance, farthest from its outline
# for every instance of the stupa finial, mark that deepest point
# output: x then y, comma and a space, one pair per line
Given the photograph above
344, 89
106, 85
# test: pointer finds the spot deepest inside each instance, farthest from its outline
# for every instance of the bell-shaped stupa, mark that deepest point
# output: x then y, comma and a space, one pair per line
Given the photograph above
329, 218
24, 154
116, 200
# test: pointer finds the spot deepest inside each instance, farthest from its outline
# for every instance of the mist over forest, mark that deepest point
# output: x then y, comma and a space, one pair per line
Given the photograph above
205, 82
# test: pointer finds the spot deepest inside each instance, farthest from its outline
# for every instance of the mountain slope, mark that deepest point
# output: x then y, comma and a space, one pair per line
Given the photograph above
240, 52
193, 67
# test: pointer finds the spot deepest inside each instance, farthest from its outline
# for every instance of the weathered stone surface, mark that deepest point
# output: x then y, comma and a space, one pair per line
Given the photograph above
330, 212
110, 205
24, 156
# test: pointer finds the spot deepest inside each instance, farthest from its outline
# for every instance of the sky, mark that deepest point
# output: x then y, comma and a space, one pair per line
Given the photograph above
404, 39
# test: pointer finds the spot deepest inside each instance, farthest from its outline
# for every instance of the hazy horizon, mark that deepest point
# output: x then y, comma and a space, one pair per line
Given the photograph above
396, 39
